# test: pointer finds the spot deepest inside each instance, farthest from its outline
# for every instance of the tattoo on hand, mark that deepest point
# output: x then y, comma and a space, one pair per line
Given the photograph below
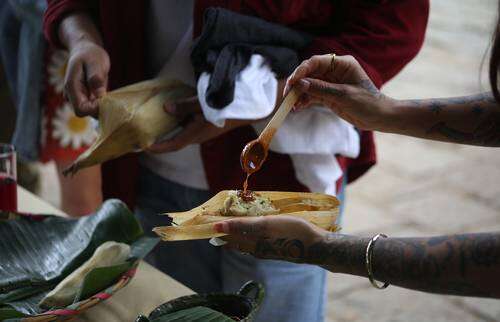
332, 91
369, 86
290, 249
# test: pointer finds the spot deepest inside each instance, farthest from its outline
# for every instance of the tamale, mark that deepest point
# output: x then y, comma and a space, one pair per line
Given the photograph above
108, 254
132, 118
319, 209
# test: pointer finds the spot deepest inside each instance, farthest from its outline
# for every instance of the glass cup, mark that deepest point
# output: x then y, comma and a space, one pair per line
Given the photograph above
8, 178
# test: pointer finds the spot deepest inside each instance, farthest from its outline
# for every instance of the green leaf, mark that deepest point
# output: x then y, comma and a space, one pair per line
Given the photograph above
100, 278
9, 313
194, 314
37, 254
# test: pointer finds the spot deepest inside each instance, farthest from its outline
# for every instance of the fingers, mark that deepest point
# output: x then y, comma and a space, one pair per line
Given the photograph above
85, 81
77, 92
240, 244
97, 81
248, 227
243, 234
320, 92
344, 70
187, 136
312, 67
183, 108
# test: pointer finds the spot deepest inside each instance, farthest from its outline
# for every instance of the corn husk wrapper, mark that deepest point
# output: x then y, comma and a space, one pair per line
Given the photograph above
320, 209
132, 118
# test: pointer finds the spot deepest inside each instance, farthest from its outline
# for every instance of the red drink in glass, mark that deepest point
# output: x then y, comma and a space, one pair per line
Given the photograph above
8, 178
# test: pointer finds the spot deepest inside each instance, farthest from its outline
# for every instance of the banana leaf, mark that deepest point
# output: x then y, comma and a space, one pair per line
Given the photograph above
194, 314
241, 306
37, 253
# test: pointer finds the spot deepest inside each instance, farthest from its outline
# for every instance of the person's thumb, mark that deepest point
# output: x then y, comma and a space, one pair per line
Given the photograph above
322, 90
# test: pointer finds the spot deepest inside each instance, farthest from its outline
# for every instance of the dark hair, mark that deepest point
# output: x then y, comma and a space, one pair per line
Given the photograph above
495, 59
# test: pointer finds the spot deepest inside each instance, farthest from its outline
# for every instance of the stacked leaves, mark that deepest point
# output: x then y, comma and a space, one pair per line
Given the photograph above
37, 253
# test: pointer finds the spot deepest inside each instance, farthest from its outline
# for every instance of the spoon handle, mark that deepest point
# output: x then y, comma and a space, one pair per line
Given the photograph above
267, 134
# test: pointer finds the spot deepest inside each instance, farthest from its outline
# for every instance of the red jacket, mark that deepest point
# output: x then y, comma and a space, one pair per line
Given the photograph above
383, 35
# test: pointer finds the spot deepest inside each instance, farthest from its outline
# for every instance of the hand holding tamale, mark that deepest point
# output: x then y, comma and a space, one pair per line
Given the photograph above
132, 118
198, 223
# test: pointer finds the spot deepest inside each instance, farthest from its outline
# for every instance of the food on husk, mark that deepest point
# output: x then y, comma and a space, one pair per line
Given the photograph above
132, 118
108, 254
239, 203
319, 209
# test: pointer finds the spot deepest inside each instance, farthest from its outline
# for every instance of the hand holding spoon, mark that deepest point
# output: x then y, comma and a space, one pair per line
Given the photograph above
255, 152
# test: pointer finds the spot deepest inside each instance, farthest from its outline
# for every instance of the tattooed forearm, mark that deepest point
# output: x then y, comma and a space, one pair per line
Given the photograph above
460, 264
471, 119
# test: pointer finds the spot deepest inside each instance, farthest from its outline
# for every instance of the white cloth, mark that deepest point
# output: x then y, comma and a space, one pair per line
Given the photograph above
255, 93
186, 165
312, 137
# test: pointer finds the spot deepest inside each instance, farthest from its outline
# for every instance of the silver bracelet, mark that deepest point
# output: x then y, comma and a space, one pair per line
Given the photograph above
368, 262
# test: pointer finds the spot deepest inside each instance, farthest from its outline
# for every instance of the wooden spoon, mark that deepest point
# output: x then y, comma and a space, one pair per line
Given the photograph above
255, 152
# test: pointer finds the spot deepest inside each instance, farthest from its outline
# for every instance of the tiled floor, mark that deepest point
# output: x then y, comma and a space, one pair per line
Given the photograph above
420, 187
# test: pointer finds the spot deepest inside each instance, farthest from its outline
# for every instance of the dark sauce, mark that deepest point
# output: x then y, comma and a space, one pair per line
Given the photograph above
246, 195
252, 156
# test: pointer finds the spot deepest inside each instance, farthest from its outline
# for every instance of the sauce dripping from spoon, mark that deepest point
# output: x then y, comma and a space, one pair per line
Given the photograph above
255, 152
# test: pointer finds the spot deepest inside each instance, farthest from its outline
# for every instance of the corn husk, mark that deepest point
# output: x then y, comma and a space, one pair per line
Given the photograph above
320, 209
131, 119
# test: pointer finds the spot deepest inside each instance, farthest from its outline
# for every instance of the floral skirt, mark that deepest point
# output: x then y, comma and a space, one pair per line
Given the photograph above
64, 136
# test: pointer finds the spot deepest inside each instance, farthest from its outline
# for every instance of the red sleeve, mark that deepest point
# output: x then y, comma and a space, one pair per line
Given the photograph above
56, 11
383, 37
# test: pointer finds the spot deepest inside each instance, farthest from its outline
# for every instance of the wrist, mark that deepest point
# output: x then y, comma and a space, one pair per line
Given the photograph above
77, 30
347, 253
390, 111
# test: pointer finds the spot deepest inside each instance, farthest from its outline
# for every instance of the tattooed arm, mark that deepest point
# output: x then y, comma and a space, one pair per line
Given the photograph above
467, 265
348, 91
473, 120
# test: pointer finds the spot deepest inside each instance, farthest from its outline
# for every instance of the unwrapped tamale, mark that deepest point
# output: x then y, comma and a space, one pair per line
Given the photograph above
198, 223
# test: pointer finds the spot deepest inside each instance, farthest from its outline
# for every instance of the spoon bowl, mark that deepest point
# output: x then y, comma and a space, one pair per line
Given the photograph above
253, 156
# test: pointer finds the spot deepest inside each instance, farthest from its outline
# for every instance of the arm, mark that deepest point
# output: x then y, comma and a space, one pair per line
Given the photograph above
466, 265
473, 120
68, 24
459, 264
76, 28
349, 92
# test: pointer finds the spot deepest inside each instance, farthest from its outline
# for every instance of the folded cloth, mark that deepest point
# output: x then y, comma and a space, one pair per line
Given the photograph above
311, 137
254, 87
227, 42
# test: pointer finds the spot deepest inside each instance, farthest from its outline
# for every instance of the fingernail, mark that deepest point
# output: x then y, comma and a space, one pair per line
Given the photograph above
286, 89
303, 84
221, 227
